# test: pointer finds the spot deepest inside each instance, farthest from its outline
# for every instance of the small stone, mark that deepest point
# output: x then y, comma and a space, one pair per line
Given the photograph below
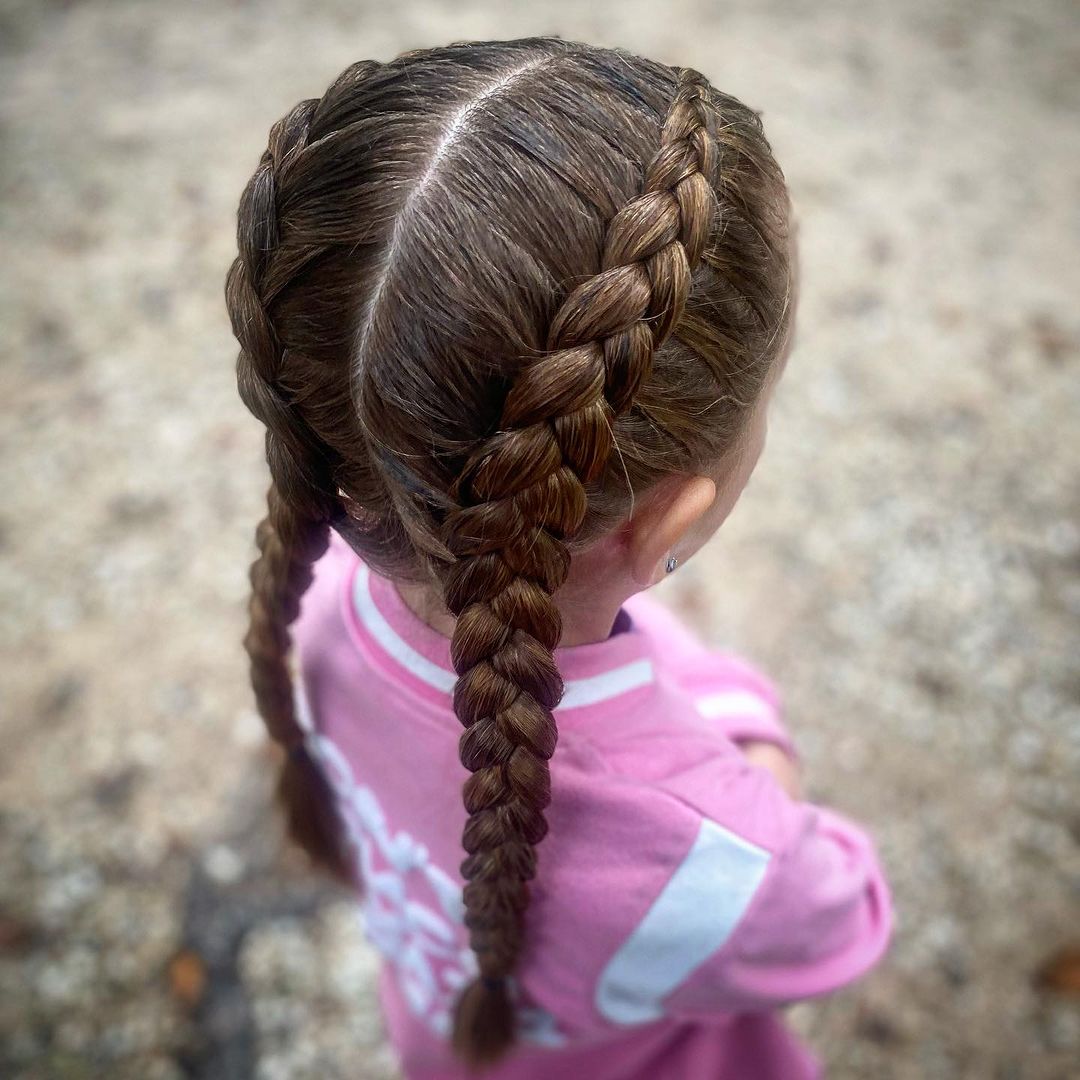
223, 864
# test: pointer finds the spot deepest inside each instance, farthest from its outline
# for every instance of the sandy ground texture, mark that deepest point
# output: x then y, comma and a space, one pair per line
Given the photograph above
906, 562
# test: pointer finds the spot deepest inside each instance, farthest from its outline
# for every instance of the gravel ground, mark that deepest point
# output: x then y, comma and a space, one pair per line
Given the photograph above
906, 561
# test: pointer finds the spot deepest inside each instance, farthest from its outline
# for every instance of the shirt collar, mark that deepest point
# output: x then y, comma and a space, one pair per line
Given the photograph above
416, 653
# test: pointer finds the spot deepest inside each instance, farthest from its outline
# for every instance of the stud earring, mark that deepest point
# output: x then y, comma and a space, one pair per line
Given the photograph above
671, 564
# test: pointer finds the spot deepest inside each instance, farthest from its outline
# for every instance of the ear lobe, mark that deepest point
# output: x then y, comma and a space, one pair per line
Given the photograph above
659, 530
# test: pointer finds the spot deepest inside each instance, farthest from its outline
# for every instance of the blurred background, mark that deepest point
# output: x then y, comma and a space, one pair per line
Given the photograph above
906, 562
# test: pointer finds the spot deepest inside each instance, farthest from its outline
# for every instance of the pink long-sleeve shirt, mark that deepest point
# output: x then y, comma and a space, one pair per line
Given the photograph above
681, 896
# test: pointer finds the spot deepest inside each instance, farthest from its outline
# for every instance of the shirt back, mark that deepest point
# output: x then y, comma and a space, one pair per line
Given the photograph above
681, 896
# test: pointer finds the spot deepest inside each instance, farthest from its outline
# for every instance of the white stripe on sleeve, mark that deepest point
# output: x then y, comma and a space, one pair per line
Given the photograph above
733, 703
693, 916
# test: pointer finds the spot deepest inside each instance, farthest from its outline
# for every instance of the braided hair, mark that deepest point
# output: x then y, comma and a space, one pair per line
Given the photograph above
300, 501
524, 495
484, 294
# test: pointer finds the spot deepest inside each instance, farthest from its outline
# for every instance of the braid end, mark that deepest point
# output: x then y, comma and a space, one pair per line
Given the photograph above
484, 1022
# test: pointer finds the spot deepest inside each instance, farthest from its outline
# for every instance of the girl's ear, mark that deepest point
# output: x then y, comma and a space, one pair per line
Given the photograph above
656, 530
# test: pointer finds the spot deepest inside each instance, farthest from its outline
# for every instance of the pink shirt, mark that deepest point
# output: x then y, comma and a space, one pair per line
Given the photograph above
681, 895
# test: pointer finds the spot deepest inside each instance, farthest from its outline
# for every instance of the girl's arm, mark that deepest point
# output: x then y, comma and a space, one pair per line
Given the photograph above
820, 918
779, 762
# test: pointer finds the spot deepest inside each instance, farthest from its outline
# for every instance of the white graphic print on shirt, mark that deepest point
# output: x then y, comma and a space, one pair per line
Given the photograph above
420, 942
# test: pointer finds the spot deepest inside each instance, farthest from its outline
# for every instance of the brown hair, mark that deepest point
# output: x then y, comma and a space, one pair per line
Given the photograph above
484, 294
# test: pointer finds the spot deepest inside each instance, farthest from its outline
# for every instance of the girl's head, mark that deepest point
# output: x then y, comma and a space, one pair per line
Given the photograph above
489, 298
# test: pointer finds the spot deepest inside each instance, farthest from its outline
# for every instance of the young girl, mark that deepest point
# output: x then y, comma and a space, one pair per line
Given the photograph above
512, 313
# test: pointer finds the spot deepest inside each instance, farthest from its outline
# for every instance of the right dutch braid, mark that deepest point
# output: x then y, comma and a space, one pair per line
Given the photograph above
521, 496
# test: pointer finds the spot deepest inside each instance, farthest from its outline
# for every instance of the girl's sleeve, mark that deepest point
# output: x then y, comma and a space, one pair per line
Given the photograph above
821, 917
725, 689
768, 901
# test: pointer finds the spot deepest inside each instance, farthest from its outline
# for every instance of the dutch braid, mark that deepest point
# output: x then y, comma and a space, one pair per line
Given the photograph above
522, 496
301, 501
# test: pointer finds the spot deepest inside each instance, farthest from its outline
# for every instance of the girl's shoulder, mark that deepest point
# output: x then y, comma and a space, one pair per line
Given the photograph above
684, 733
